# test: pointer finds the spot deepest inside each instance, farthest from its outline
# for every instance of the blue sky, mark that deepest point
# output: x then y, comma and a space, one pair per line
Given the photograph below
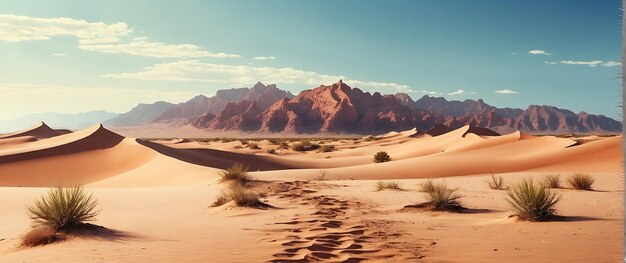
74, 56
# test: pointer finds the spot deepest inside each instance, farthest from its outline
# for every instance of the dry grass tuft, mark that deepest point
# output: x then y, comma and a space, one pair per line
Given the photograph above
327, 148
240, 196
533, 201
553, 181
581, 181
442, 198
63, 208
380, 186
427, 186
497, 183
41, 236
238, 172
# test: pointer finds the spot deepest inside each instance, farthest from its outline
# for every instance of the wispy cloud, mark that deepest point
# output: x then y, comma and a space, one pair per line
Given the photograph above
95, 36
458, 92
506, 91
264, 58
194, 70
59, 54
538, 52
591, 63
611, 64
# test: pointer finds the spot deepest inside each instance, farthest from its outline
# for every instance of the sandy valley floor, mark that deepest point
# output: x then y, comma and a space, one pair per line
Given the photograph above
156, 197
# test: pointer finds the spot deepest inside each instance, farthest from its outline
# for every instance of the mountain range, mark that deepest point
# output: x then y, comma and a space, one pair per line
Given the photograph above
77, 121
339, 108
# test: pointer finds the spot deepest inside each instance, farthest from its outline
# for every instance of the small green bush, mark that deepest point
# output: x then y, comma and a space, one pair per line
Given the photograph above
238, 172
581, 181
532, 201
381, 157
63, 208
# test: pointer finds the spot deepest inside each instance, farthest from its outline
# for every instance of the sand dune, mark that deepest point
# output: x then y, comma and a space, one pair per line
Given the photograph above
82, 157
40, 131
157, 194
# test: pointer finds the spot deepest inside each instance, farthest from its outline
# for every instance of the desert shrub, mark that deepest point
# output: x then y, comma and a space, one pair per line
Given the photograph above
327, 148
240, 195
238, 172
243, 142
253, 146
553, 181
271, 151
581, 181
40, 236
304, 146
532, 201
442, 198
380, 185
497, 183
322, 176
63, 208
283, 145
381, 157
273, 141
427, 186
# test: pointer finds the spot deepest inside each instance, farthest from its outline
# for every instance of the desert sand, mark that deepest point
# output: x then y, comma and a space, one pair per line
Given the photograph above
156, 197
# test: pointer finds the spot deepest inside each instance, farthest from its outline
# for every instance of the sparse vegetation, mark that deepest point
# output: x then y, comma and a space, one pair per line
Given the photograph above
243, 142
327, 148
380, 186
63, 208
253, 146
238, 172
304, 146
41, 236
533, 201
283, 145
553, 181
271, 151
273, 141
442, 198
381, 157
497, 183
322, 176
427, 186
240, 196
581, 181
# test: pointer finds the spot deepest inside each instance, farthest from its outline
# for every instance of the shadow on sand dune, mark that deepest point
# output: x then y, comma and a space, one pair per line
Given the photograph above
216, 158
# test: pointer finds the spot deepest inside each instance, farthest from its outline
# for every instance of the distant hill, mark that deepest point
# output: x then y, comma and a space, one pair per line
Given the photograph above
57, 120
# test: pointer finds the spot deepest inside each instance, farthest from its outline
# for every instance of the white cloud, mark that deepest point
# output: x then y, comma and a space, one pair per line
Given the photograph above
68, 99
538, 52
593, 63
506, 91
59, 54
513, 53
611, 64
264, 58
551, 62
458, 92
194, 70
94, 36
